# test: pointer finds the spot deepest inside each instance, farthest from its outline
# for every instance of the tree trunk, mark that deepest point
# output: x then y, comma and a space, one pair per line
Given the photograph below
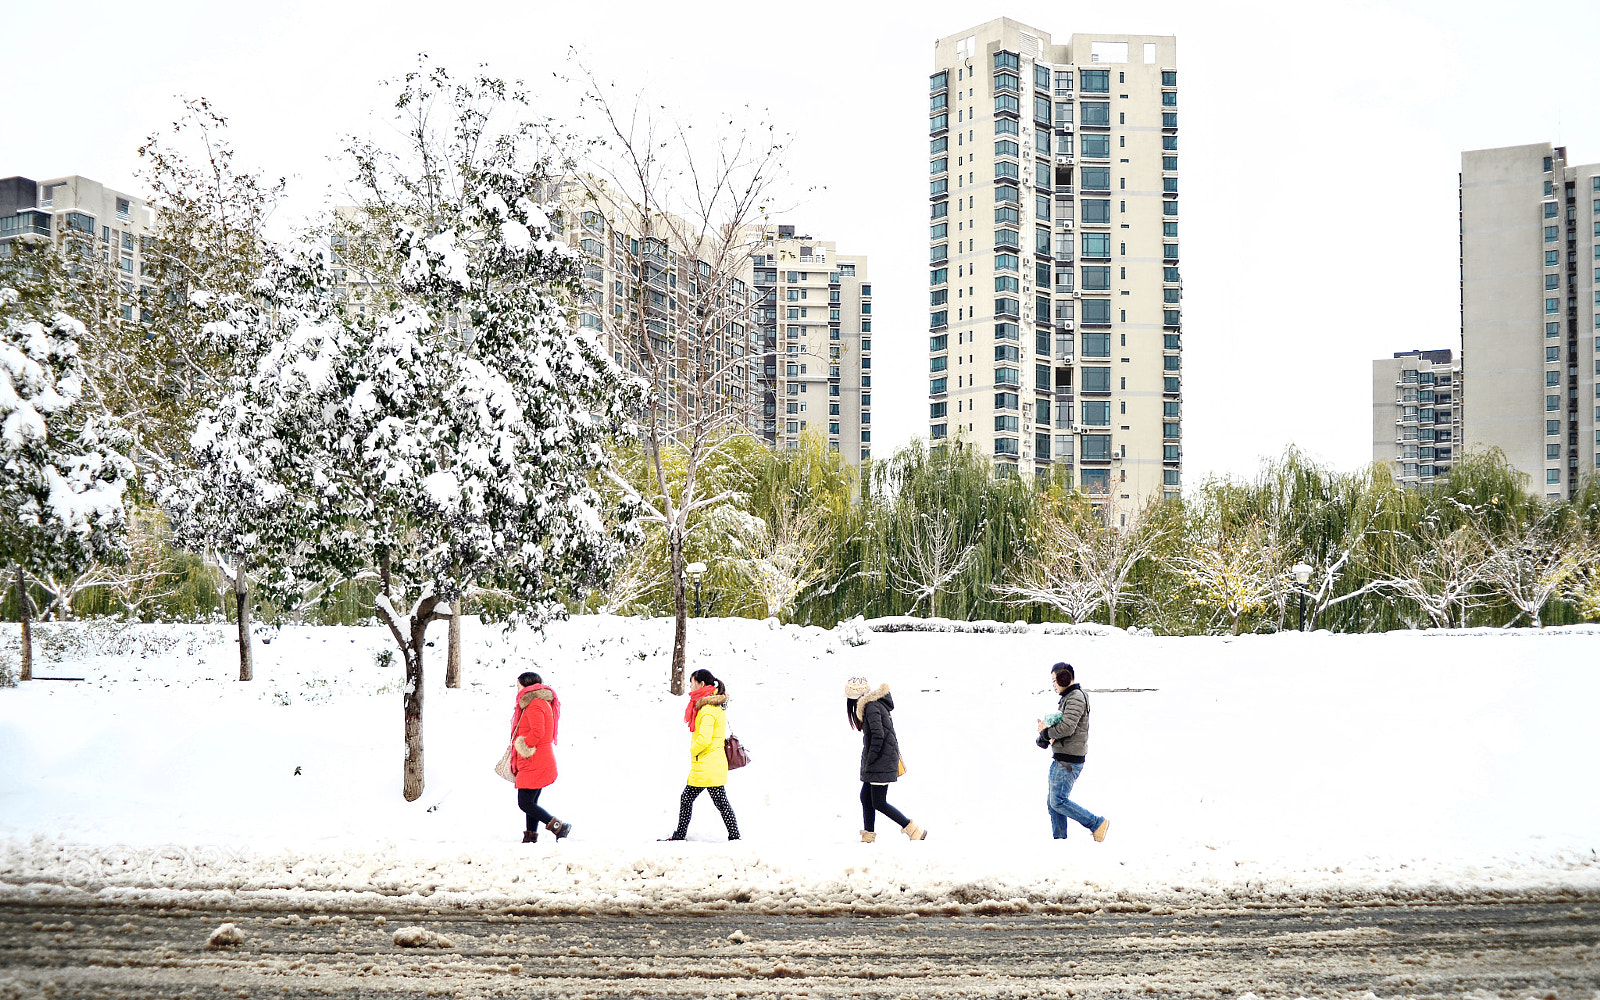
241, 600
27, 626
452, 669
680, 632
412, 787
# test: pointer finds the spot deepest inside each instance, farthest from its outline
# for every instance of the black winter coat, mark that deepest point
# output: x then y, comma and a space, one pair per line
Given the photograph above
880, 749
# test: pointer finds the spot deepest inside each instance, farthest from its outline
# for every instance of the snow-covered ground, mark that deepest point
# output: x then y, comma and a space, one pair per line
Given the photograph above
1289, 767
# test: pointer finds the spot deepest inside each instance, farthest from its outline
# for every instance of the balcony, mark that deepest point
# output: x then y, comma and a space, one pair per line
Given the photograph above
27, 223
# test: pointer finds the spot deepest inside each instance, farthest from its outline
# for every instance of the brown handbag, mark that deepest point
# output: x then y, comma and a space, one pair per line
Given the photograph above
737, 755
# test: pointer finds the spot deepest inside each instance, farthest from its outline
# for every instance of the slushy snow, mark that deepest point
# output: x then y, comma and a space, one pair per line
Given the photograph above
1288, 767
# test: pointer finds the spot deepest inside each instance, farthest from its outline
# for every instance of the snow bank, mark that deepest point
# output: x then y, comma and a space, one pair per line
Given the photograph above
1285, 768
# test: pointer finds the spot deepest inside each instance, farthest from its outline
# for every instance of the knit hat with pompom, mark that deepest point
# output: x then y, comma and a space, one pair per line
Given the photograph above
855, 687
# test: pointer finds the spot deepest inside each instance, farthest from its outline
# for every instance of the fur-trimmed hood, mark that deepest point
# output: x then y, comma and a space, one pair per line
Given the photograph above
710, 699
877, 693
526, 695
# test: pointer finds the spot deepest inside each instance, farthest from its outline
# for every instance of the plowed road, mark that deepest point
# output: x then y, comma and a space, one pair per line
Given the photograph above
1519, 950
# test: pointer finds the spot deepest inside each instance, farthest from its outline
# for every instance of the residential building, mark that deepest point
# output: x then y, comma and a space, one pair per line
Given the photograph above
1416, 414
815, 325
1055, 298
1530, 311
80, 217
643, 281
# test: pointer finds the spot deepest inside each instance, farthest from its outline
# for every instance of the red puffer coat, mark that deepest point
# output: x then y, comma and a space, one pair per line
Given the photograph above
533, 760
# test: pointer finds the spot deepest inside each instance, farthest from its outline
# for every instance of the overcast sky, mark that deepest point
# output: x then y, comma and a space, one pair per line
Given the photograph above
1319, 147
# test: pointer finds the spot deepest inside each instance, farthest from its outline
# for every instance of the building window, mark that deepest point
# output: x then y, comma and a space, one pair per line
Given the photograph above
1006, 331
1008, 261
1096, 378
1004, 103
1096, 211
1552, 403
1169, 99
1095, 147
1171, 453
1005, 401
1551, 233
1096, 345
1096, 412
1097, 311
1005, 446
1006, 126
1097, 447
939, 364
1005, 422
1552, 427
1552, 354
1097, 245
939, 80
1552, 477
1170, 206
936, 387
938, 431
1094, 81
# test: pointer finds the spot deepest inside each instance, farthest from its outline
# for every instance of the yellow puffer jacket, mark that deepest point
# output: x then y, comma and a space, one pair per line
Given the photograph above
708, 762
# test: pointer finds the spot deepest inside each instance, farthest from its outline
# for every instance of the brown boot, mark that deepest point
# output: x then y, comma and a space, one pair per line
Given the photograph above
914, 832
558, 828
530, 836
867, 836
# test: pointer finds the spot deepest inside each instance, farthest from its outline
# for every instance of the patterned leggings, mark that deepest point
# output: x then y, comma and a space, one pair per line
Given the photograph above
719, 797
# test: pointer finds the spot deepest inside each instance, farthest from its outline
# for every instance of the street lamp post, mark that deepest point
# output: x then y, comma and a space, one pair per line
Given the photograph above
1302, 576
696, 570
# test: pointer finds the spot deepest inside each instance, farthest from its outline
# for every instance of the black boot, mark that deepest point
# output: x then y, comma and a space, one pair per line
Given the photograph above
557, 827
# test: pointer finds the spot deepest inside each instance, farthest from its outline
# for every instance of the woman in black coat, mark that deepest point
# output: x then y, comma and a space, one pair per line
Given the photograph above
869, 712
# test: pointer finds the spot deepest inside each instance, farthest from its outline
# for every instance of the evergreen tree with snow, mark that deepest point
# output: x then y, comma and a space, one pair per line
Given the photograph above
447, 441
64, 470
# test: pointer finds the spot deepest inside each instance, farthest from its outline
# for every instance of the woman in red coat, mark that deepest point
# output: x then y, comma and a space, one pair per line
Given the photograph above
533, 759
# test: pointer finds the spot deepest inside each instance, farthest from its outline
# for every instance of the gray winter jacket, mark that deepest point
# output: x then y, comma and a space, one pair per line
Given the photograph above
1069, 738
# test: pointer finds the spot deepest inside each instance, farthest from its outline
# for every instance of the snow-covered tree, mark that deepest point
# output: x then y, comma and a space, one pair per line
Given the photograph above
64, 470
1441, 570
1081, 559
1234, 570
930, 559
1530, 564
780, 559
701, 203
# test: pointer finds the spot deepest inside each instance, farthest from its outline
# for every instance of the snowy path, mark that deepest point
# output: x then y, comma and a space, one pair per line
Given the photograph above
127, 952
1286, 769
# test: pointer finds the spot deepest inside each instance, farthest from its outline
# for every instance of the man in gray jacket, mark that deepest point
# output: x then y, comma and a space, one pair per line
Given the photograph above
1066, 733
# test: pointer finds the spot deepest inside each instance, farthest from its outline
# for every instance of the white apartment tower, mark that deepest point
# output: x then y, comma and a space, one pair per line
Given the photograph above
815, 320
1416, 414
1055, 317
1530, 311
83, 217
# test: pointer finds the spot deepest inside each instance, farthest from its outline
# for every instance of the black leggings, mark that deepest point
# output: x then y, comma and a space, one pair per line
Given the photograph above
528, 802
875, 799
719, 796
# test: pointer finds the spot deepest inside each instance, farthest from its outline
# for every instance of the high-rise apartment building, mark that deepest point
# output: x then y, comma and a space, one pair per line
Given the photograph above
1530, 316
1416, 414
815, 321
80, 216
1055, 315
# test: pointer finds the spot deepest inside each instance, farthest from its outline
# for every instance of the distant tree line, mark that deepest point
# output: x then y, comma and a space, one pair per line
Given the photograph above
803, 537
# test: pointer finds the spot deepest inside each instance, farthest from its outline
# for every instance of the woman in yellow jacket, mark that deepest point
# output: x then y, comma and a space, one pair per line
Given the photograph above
708, 763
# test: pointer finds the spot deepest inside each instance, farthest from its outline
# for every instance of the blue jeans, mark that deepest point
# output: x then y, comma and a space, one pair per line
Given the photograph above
1062, 808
